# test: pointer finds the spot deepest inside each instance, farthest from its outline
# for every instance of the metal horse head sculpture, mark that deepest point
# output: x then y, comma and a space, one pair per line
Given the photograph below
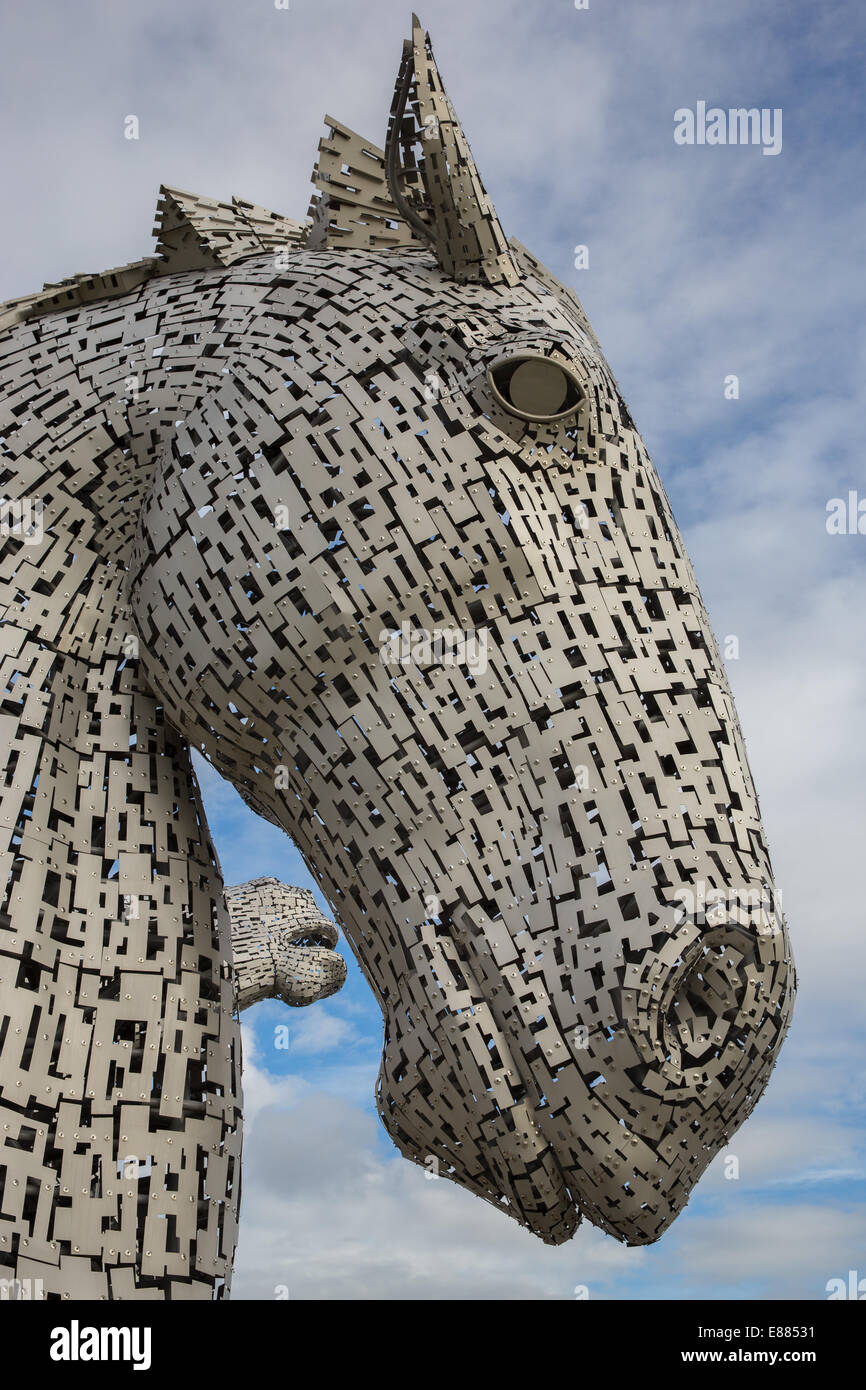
356, 508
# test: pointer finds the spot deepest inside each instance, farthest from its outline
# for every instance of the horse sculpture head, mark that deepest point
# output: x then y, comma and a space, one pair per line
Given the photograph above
410, 579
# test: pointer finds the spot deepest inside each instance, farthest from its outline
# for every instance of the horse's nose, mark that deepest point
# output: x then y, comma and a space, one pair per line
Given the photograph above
700, 1018
611, 1101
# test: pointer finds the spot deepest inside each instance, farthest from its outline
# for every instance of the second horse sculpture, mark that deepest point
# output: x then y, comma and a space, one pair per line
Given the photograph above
355, 507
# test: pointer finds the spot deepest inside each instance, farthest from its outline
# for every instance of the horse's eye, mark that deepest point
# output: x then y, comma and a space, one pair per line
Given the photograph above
535, 387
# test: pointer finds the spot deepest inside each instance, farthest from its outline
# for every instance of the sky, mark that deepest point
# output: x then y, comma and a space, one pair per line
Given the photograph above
705, 262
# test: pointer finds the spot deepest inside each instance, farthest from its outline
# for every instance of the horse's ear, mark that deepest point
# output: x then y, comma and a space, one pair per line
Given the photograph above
432, 176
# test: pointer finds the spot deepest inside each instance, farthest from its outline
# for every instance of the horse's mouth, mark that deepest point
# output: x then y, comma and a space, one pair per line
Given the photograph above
490, 1144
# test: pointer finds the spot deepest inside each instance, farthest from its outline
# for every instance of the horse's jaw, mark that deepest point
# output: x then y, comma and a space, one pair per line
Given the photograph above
489, 1081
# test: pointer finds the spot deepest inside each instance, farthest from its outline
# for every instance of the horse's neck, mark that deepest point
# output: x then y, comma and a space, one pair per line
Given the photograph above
113, 887
88, 402
81, 432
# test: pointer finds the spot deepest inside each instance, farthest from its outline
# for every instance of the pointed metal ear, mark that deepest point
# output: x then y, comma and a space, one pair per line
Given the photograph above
433, 178
352, 204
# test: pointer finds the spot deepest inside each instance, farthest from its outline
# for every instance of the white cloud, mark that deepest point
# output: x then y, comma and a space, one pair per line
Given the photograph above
330, 1211
791, 1249
318, 1031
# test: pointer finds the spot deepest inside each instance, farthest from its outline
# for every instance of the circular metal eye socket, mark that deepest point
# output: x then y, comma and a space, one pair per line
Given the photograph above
535, 387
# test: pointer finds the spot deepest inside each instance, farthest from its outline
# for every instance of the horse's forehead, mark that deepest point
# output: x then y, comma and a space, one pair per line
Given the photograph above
405, 291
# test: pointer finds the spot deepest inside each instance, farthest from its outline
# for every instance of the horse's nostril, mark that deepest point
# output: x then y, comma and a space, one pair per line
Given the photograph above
703, 1008
703, 1001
